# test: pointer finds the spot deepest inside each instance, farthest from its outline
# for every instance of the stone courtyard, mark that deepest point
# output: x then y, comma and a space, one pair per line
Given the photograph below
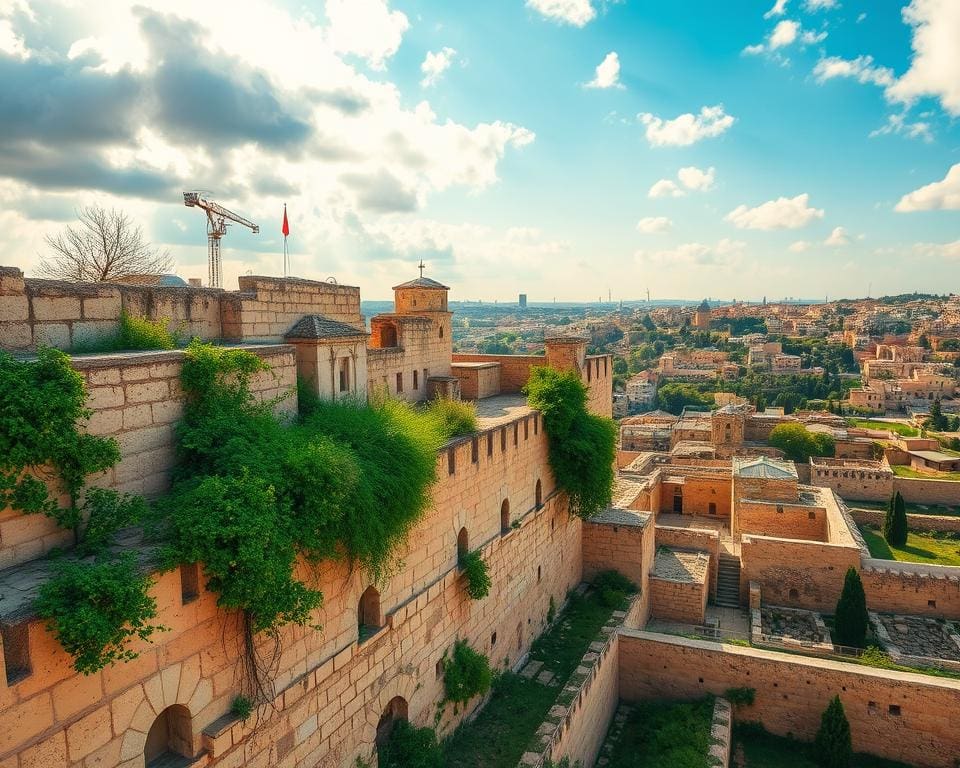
791, 624
917, 636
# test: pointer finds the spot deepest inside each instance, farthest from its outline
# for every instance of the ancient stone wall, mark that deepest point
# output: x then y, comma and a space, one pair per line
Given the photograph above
331, 689
684, 602
625, 547
788, 521
920, 589
67, 315
915, 522
135, 397
704, 496
897, 715
477, 380
865, 481
923, 491
514, 369
794, 573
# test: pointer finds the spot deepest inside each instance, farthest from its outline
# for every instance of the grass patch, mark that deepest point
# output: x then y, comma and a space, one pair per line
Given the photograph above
502, 731
665, 735
904, 430
901, 470
920, 547
764, 750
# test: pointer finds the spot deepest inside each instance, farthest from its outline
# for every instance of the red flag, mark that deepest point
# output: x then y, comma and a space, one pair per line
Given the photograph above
286, 225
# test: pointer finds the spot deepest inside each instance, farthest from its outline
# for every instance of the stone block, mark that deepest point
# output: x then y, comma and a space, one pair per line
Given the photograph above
91, 333
52, 334
89, 733
137, 416
105, 422
56, 308
16, 335
147, 391
103, 307
99, 398
49, 752
23, 721
14, 308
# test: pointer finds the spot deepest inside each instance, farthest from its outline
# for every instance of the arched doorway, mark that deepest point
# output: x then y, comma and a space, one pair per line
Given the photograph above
538, 493
169, 736
505, 516
463, 544
369, 619
395, 711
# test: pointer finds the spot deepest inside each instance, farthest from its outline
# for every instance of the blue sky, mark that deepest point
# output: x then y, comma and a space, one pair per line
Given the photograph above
729, 150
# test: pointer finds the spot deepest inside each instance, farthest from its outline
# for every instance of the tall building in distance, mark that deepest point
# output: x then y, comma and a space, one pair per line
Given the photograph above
701, 317
523, 301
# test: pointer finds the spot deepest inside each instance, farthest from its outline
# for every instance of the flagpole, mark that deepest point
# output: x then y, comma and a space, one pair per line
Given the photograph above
286, 252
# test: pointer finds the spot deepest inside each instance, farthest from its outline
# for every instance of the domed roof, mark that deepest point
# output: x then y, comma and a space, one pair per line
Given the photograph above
704, 306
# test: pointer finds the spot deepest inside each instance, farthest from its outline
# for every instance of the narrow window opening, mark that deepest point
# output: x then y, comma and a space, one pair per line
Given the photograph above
16, 651
189, 582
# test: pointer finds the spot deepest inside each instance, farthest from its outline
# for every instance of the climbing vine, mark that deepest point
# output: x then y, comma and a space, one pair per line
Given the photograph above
253, 491
96, 609
582, 445
43, 407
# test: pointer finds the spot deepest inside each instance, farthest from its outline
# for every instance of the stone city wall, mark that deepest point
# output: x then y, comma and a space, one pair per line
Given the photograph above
67, 315
920, 589
787, 521
865, 481
923, 491
896, 715
626, 548
331, 690
915, 522
514, 369
135, 397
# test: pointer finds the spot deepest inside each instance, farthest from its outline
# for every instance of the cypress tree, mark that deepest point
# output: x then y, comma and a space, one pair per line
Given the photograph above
895, 522
851, 620
833, 744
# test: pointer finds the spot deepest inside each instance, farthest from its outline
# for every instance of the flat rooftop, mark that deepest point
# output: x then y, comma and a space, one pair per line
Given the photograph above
501, 409
680, 565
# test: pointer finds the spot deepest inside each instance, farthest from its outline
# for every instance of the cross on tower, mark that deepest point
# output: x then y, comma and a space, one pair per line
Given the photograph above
421, 266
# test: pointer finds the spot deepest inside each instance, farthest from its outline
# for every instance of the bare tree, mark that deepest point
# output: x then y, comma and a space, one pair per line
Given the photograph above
105, 245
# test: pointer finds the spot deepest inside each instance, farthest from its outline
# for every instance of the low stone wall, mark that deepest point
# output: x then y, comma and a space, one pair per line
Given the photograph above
920, 589
896, 715
922, 491
915, 522
721, 733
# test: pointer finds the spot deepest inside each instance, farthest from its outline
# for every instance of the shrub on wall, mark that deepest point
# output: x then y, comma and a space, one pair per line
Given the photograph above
475, 572
895, 522
799, 444
833, 745
456, 418
851, 619
44, 402
141, 333
582, 445
96, 609
466, 673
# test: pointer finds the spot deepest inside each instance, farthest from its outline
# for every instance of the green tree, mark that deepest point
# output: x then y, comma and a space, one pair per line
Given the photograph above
648, 323
833, 744
798, 443
674, 397
851, 620
895, 522
937, 419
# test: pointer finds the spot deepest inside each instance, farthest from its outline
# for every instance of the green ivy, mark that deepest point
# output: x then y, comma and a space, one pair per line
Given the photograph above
96, 609
582, 445
743, 696
475, 572
252, 491
43, 406
466, 674
410, 747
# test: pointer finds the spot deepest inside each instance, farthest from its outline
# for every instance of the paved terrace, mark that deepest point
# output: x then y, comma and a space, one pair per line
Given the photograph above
501, 409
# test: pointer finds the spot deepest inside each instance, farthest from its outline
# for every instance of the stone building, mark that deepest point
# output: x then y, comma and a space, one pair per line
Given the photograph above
701, 317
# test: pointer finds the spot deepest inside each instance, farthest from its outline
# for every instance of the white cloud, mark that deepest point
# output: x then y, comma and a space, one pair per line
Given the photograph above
665, 188
10, 42
575, 12
724, 253
607, 73
935, 67
783, 34
837, 238
782, 213
897, 124
779, 8
367, 28
940, 195
687, 128
820, 5
435, 64
861, 17
860, 69
800, 246
652, 225
693, 178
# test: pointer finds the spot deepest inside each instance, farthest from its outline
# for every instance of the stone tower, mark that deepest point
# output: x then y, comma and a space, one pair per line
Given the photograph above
728, 426
701, 318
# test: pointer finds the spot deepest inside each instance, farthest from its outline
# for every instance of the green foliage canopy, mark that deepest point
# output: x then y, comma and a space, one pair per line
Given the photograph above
851, 619
833, 744
798, 443
466, 673
582, 445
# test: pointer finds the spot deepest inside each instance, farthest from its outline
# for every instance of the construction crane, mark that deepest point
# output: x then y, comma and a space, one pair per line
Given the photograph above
218, 218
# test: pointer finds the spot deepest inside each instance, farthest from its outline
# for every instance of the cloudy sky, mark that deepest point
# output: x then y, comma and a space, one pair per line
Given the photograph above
556, 147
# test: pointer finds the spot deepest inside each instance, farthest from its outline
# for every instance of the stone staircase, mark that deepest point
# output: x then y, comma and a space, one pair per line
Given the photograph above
728, 582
